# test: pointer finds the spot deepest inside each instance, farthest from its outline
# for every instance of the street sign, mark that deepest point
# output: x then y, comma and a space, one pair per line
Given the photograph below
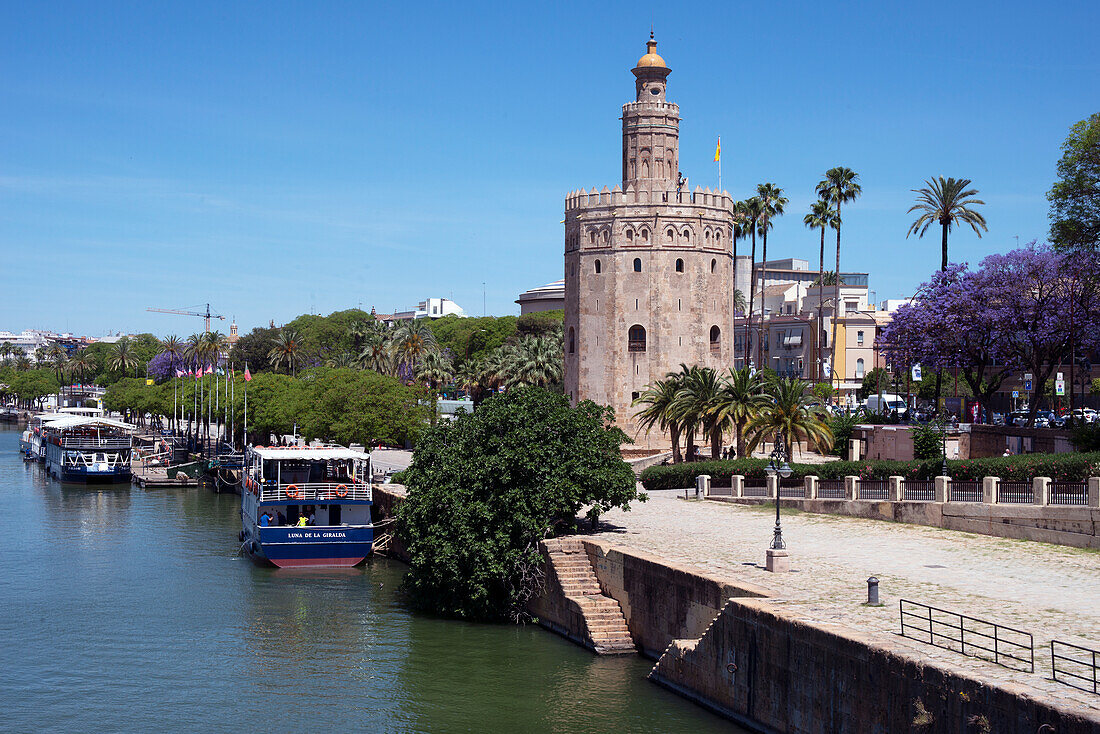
1059, 377
1059, 387
1015, 394
1028, 376
1027, 384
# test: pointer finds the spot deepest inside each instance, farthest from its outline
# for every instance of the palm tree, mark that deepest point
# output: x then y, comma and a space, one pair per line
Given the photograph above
741, 399
122, 358
435, 369
6, 350
60, 359
82, 362
839, 186
286, 350
698, 402
377, 352
738, 301
343, 360
468, 378
683, 412
413, 339
820, 216
772, 205
754, 209
22, 362
174, 347
945, 201
792, 412
657, 399
535, 361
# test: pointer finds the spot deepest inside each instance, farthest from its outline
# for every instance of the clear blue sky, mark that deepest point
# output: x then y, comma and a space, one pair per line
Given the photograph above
279, 158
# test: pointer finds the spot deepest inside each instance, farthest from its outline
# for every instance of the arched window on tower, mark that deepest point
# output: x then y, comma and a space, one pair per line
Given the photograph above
605, 236
715, 337
717, 238
637, 265
687, 235
629, 235
706, 236
670, 235
713, 265
573, 339
645, 235
645, 168
592, 237
636, 338
597, 267
679, 265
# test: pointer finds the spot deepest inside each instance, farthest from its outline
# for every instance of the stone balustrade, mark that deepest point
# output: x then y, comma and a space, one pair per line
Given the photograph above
1040, 491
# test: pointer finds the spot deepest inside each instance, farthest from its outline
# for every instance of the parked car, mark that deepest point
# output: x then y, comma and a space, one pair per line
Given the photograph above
1043, 418
1088, 415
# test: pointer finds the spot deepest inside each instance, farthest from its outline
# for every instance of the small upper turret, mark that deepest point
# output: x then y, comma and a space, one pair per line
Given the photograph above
651, 73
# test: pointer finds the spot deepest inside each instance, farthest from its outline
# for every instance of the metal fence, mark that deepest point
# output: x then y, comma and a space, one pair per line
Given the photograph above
831, 489
792, 488
756, 490
978, 638
1015, 492
874, 489
965, 491
1069, 493
913, 490
1078, 665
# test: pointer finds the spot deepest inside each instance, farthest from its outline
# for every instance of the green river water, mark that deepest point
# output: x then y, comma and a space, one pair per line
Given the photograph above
125, 610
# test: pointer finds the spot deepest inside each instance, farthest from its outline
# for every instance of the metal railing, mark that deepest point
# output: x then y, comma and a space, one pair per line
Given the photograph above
918, 490
874, 489
965, 491
89, 442
306, 491
756, 490
831, 489
1015, 493
1006, 646
794, 489
1079, 669
1069, 493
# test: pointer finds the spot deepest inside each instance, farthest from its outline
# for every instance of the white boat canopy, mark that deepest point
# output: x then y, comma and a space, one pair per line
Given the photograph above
79, 421
308, 452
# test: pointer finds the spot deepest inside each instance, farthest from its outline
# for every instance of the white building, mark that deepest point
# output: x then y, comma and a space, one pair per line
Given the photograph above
28, 340
431, 308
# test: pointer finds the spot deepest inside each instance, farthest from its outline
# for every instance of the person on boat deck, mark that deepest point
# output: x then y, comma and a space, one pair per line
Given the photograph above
265, 520
302, 521
312, 518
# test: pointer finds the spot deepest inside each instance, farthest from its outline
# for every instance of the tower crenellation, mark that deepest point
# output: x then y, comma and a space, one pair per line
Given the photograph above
649, 269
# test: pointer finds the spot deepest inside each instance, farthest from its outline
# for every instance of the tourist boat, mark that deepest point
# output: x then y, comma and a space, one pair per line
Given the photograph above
328, 485
31, 445
87, 449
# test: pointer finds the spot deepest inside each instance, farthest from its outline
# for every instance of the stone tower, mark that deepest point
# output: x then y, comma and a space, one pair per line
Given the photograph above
648, 265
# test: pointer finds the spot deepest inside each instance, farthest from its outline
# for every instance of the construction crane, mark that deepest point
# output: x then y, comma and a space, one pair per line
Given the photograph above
206, 316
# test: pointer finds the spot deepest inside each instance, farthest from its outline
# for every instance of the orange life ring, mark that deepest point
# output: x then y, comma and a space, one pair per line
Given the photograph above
341, 491
293, 493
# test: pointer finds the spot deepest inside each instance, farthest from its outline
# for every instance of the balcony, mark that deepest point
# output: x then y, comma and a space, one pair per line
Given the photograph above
350, 491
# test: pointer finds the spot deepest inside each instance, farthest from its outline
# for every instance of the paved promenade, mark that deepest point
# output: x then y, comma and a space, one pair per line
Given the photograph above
1047, 590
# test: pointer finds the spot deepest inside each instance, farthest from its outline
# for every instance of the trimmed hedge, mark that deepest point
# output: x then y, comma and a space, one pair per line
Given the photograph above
1059, 467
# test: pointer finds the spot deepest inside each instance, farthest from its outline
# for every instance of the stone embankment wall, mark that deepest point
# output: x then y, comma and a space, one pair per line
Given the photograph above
1074, 526
386, 499
777, 672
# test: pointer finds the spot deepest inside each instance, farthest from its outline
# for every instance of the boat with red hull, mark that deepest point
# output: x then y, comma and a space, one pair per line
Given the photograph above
306, 506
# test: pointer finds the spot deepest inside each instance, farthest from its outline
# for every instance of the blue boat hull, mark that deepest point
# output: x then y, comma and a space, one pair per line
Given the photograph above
325, 547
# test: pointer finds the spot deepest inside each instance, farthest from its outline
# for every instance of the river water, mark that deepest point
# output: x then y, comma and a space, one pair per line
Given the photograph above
125, 610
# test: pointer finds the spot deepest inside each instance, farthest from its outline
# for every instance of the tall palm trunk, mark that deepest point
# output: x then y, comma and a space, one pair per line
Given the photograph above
739, 436
763, 285
715, 443
820, 300
836, 303
944, 224
674, 429
691, 443
752, 298
943, 266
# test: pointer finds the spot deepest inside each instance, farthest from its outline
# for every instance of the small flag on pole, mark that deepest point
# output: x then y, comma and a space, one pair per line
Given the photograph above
718, 150
247, 374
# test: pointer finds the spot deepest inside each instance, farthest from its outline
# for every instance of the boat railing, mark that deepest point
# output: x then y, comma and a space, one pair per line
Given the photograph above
90, 442
305, 491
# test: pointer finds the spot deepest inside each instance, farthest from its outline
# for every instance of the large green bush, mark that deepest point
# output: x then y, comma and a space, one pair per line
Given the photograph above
485, 488
1060, 467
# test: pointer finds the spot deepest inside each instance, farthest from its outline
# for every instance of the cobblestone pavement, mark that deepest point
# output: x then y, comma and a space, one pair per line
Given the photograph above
1047, 590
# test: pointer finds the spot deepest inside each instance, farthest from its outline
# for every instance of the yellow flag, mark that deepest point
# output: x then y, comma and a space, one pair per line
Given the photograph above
718, 151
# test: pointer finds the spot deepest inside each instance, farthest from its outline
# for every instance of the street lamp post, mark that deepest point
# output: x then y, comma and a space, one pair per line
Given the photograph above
777, 559
943, 472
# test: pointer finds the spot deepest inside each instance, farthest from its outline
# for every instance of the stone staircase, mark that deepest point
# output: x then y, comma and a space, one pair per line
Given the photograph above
605, 626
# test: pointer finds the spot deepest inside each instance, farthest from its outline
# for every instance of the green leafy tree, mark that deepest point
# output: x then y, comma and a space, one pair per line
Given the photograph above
542, 323
473, 338
946, 202
1075, 196
351, 406
252, 349
927, 440
874, 382
484, 489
